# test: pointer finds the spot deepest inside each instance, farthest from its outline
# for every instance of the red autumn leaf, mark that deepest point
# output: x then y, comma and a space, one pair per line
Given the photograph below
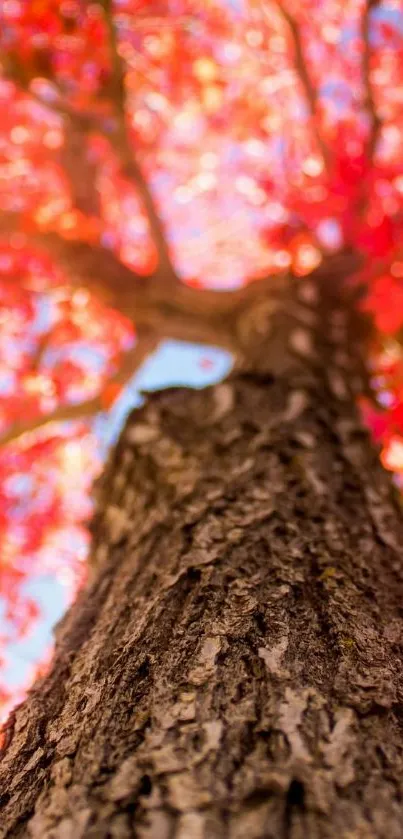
385, 300
110, 393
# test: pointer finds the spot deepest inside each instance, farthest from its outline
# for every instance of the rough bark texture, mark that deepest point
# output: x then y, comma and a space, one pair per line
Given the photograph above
234, 667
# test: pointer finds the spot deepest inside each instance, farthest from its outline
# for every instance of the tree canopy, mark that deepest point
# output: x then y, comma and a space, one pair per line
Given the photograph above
159, 162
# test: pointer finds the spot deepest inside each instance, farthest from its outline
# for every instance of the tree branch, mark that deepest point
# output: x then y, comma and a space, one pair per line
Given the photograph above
81, 172
14, 71
36, 357
375, 123
180, 312
130, 164
177, 312
73, 156
304, 77
114, 129
89, 264
130, 363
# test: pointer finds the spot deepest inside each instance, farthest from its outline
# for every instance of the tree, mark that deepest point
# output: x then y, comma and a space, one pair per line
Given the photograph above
232, 666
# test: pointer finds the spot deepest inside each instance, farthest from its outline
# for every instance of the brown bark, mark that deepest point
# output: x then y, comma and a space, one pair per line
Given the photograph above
234, 667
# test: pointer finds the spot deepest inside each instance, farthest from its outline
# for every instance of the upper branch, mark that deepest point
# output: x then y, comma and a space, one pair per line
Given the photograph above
375, 123
305, 79
73, 156
130, 164
81, 172
115, 129
14, 71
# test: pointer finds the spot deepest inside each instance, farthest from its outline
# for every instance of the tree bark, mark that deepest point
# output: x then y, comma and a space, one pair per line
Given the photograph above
233, 668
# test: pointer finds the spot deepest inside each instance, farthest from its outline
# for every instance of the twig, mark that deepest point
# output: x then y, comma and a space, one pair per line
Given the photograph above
40, 350
130, 363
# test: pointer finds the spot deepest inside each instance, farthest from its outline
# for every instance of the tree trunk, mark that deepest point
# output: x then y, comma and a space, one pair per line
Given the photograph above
233, 668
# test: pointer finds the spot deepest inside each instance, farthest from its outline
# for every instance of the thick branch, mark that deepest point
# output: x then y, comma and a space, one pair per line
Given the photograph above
177, 312
88, 264
131, 362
